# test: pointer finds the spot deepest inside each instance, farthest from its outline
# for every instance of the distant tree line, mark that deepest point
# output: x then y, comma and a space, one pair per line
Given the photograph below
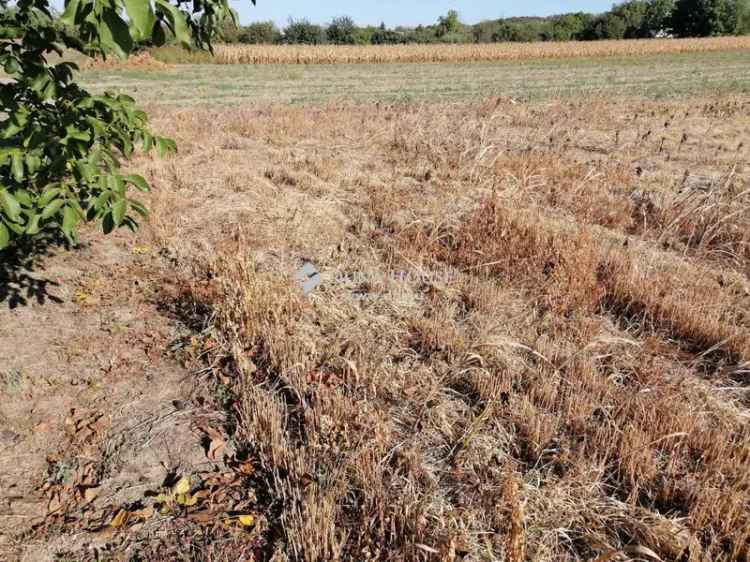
628, 20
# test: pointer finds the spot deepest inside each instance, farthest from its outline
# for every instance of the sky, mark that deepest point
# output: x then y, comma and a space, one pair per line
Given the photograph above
406, 12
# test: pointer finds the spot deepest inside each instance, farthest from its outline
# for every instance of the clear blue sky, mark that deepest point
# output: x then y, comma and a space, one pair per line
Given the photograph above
406, 12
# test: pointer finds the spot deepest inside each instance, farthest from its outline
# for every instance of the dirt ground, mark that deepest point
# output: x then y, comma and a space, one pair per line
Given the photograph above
530, 342
93, 409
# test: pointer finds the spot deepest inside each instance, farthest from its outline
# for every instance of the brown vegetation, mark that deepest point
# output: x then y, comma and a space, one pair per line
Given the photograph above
141, 61
532, 335
352, 54
530, 341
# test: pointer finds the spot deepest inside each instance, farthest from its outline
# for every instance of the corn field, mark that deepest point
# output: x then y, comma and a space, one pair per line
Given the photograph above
356, 54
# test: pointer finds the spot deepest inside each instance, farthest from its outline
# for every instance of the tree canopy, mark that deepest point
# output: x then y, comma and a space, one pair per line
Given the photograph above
703, 18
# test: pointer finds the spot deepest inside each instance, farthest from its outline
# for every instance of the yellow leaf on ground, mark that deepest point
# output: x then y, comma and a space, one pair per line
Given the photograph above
182, 486
190, 501
119, 520
246, 520
186, 499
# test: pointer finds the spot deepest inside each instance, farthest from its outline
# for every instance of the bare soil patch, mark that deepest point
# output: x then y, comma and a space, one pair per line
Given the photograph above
89, 393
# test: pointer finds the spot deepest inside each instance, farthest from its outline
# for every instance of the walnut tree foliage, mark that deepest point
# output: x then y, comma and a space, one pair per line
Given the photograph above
60, 146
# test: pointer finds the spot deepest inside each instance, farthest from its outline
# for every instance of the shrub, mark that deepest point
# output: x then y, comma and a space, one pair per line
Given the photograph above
364, 35
303, 32
259, 33
341, 31
568, 27
523, 30
384, 36
448, 23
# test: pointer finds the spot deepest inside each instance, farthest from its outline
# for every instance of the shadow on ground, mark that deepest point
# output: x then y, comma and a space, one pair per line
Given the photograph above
20, 285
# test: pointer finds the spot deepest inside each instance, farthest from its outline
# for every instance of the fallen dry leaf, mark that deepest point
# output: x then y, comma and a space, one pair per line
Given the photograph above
246, 468
217, 443
119, 519
145, 513
104, 533
246, 520
182, 486
215, 449
186, 500
640, 551
643, 552
55, 504
90, 494
202, 517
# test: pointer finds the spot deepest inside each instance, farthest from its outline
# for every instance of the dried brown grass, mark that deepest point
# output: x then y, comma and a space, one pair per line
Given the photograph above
526, 346
140, 61
377, 54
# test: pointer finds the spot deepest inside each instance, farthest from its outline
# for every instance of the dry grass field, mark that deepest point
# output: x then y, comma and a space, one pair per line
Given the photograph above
530, 340
657, 76
378, 54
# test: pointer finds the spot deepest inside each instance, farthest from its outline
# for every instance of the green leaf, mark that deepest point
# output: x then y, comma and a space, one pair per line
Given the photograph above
15, 124
33, 163
4, 237
98, 125
75, 133
19, 229
114, 34
48, 195
11, 65
87, 171
64, 71
16, 166
158, 36
126, 99
177, 19
71, 10
165, 146
70, 220
24, 198
108, 224
119, 208
41, 81
51, 208
138, 207
50, 90
139, 182
33, 227
117, 184
142, 16
101, 201
10, 206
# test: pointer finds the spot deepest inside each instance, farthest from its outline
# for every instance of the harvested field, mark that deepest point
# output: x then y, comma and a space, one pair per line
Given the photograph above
377, 54
530, 341
658, 76
400, 321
